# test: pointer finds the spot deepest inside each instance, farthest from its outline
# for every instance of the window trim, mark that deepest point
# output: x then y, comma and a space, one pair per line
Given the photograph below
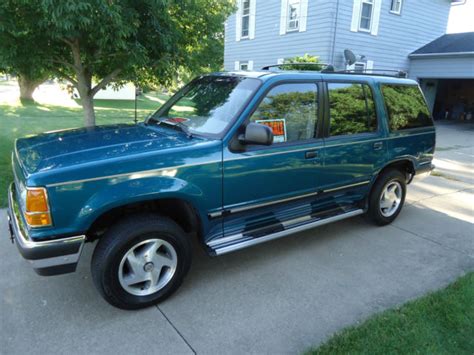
372, 4
247, 36
327, 118
387, 114
399, 12
319, 134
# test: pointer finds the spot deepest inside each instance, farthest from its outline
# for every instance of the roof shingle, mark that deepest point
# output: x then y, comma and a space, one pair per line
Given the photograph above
449, 43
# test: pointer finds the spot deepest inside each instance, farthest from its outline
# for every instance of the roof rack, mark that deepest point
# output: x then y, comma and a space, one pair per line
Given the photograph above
326, 67
376, 72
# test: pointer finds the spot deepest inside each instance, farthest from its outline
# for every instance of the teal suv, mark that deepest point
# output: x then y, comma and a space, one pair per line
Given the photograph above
231, 160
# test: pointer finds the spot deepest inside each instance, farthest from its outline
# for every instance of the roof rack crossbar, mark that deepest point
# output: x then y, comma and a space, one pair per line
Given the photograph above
322, 65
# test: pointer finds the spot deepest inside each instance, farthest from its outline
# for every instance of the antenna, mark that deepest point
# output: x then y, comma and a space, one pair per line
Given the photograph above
350, 57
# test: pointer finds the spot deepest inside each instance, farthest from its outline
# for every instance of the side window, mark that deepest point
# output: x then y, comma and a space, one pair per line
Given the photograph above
406, 107
290, 110
351, 109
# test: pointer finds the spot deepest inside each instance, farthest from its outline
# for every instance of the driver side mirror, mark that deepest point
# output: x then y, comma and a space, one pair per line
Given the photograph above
256, 133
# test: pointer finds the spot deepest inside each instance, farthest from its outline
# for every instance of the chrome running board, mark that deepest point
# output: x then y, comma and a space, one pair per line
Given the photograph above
228, 248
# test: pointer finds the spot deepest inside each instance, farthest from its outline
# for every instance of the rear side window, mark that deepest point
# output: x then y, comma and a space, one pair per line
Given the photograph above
406, 107
351, 109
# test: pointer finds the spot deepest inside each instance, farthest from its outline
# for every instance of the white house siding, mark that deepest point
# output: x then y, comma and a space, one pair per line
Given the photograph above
442, 67
268, 45
420, 22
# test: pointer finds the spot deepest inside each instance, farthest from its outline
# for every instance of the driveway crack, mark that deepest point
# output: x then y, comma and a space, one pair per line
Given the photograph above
176, 329
433, 241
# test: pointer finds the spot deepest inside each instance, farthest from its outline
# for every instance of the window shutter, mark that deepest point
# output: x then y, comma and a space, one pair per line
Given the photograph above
376, 17
250, 65
253, 12
283, 15
369, 66
356, 15
304, 15
236, 65
238, 21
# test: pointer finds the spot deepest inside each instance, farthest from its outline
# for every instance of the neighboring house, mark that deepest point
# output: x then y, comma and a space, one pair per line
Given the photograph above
381, 32
384, 35
125, 92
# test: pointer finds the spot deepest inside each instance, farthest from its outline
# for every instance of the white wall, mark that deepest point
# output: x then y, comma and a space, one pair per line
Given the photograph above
126, 92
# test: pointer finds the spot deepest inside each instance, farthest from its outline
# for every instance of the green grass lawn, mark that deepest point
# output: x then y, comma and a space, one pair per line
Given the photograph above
19, 120
439, 323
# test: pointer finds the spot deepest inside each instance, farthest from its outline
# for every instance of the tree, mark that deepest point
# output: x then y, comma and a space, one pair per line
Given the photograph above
301, 60
105, 41
17, 45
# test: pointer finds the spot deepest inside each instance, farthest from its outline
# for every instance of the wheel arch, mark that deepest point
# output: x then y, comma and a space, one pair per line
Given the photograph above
405, 165
180, 210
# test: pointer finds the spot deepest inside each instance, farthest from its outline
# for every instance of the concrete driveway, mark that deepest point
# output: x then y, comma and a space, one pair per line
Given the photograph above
279, 297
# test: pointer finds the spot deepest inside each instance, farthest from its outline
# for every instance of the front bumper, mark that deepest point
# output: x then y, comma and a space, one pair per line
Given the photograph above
50, 257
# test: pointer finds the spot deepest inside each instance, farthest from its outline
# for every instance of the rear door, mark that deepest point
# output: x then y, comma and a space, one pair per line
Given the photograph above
355, 147
265, 186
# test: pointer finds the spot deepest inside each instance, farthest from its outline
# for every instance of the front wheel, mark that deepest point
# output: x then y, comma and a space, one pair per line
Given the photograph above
141, 261
387, 197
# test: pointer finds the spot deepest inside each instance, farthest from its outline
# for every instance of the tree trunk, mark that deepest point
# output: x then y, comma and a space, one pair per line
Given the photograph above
84, 83
87, 102
27, 87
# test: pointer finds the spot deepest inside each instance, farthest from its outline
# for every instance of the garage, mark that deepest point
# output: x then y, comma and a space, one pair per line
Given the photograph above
445, 71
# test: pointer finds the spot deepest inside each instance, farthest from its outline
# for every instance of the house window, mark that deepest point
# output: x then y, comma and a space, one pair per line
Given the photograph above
396, 7
367, 7
244, 66
245, 18
294, 14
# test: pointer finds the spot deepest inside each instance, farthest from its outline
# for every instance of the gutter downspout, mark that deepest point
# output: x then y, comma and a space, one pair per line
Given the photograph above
333, 49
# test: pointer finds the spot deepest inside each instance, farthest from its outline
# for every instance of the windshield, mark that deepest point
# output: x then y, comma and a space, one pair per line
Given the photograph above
208, 104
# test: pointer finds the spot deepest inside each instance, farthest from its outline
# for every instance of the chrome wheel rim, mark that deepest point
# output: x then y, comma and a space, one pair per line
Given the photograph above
391, 198
147, 267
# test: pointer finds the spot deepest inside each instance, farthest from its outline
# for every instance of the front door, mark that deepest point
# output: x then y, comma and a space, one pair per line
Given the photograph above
266, 186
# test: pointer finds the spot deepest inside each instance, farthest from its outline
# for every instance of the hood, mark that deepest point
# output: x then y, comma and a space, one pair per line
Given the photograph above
61, 149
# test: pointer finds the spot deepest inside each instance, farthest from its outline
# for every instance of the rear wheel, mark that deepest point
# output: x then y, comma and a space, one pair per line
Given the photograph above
141, 261
387, 197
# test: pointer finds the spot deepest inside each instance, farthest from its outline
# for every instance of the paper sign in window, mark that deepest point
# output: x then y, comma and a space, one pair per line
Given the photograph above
278, 127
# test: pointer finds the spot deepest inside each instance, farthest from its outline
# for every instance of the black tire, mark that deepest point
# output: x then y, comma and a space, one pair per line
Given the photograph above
122, 237
374, 213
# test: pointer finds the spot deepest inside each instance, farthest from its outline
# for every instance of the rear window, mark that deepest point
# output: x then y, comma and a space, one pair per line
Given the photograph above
406, 107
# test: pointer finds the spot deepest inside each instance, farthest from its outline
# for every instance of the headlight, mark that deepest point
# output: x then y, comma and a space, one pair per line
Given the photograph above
37, 212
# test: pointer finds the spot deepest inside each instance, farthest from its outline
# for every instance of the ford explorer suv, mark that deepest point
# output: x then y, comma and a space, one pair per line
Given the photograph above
232, 160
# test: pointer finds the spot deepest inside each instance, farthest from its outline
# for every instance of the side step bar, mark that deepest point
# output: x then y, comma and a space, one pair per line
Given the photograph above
299, 228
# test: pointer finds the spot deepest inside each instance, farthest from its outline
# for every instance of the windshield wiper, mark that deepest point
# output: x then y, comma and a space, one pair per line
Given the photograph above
177, 124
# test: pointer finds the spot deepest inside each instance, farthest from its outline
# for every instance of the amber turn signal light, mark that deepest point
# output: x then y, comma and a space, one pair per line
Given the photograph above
36, 200
38, 219
37, 212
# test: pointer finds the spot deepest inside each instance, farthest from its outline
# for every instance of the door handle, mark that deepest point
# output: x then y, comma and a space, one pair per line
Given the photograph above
311, 154
378, 145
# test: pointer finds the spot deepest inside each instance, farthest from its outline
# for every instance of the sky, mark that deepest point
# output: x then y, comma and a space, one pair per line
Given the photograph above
461, 17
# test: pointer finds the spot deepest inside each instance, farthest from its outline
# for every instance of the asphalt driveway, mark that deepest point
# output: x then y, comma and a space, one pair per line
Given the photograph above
279, 297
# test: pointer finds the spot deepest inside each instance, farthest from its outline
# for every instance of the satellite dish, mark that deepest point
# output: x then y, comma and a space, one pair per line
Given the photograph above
350, 57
